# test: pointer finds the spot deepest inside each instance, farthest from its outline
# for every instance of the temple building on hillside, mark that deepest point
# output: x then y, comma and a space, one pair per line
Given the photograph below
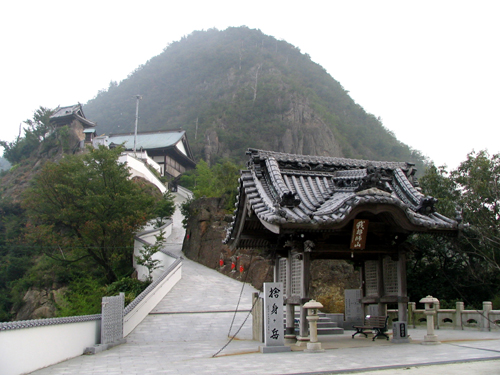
169, 148
74, 118
298, 208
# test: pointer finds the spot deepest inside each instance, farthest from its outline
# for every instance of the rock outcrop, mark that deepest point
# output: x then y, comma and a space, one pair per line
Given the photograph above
39, 303
203, 243
205, 231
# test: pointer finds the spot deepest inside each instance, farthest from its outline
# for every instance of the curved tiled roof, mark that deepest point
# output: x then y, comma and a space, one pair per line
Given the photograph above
62, 114
287, 190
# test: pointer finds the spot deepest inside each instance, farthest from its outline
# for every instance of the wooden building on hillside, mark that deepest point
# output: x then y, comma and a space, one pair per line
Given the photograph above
73, 117
169, 148
297, 208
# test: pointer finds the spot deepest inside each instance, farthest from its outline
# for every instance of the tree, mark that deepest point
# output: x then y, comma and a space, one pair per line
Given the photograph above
478, 181
85, 207
220, 180
146, 258
164, 208
36, 132
465, 267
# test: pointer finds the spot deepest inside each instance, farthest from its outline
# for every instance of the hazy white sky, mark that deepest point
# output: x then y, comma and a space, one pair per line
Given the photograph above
429, 69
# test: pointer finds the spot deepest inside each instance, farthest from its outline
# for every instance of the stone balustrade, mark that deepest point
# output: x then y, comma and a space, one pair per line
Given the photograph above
485, 319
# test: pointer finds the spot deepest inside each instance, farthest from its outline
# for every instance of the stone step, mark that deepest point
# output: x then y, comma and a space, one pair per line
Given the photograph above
326, 326
321, 323
330, 331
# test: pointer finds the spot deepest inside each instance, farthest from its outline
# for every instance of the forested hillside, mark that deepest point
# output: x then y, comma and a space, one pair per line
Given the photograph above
239, 88
67, 222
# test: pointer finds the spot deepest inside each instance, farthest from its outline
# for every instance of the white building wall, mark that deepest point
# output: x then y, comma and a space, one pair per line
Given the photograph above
181, 148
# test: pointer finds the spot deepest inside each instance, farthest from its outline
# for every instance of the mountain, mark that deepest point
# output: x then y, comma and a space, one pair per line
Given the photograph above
239, 88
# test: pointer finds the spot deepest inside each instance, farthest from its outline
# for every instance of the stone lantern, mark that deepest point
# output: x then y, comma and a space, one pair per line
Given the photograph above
430, 311
312, 317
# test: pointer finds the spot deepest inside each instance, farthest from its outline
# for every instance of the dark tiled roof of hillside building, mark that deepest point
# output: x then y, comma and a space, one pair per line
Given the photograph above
64, 114
320, 193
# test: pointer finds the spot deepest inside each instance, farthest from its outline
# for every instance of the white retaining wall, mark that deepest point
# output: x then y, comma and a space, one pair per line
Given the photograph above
26, 346
28, 349
188, 194
138, 168
148, 238
143, 308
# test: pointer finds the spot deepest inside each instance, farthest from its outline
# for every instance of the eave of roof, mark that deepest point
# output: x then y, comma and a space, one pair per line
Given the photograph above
148, 141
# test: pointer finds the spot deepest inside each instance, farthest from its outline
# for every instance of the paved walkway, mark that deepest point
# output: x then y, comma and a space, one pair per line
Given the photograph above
191, 324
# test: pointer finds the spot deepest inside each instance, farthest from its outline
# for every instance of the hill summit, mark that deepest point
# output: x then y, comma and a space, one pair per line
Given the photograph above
239, 88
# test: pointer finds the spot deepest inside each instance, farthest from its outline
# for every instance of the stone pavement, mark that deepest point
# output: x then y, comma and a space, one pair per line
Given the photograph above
191, 324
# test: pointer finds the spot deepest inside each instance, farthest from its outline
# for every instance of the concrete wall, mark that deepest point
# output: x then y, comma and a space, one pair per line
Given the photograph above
152, 298
139, 169
28, 349
188, 194
148, 238
143, 156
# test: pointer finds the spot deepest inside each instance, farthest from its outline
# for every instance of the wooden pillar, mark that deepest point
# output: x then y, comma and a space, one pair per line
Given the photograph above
290, 337
363, 289
276, 270
304, 327
402, 290
382, 307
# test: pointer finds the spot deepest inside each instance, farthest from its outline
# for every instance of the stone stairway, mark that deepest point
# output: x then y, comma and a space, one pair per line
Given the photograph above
326, 325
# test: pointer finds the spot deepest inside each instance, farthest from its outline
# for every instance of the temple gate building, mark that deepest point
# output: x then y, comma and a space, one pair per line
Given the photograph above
297, 208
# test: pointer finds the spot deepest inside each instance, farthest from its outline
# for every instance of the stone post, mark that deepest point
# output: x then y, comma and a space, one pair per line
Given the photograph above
257, 318
458, 315
437, 306
312, 307
430, 312
411, 313
485, 318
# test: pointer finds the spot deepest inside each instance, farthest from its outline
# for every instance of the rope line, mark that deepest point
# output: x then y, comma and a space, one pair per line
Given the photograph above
239, 329
239, 299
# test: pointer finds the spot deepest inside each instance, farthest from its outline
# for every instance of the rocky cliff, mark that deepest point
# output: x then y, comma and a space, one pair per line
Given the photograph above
238, 88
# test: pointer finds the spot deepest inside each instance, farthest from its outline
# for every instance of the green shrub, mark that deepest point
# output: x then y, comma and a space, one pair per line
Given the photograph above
131, 287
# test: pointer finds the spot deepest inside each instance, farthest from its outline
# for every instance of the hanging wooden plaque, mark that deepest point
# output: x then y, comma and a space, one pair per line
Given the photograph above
359, 233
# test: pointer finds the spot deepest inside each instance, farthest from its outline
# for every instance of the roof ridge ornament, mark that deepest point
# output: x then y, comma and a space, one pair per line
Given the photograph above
375, 178
289, 199
426, 205
373, 191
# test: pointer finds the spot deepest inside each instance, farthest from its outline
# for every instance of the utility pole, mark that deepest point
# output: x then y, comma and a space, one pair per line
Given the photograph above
139, 97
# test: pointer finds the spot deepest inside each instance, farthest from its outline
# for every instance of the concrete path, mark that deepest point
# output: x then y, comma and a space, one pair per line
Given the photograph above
191, 324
